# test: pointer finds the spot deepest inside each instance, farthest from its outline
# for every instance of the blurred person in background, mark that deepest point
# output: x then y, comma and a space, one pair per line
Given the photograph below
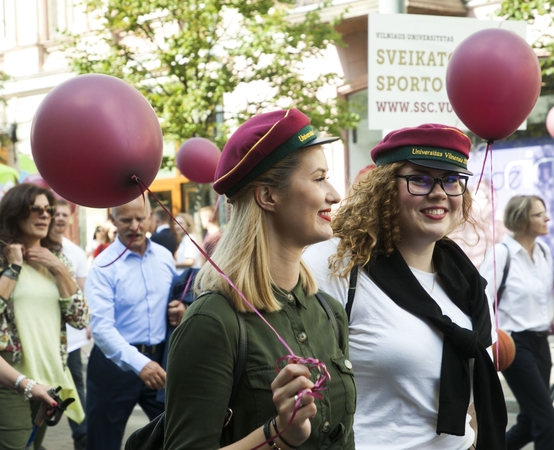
75, 338
97, 237
525, 311
187, 254
128, 290
164, 233
210, 223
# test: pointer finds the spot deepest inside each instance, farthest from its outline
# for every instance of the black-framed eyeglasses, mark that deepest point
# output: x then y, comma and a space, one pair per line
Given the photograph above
452, 185
40, 210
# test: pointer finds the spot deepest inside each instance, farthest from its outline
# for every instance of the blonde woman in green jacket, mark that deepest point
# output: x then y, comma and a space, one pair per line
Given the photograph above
274, 173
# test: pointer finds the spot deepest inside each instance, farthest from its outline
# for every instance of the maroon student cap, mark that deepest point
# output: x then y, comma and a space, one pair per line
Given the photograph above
260, 143
429, 145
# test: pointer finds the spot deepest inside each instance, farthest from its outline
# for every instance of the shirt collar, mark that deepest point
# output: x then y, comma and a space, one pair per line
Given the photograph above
513, 245
120, 248
161, 227
297, 294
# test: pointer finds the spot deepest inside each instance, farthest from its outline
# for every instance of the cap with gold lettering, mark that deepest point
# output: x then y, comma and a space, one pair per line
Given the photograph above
429, 145
261, 142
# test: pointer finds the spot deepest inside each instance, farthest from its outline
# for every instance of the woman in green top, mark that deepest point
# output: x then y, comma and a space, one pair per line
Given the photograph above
273, 171
38, 297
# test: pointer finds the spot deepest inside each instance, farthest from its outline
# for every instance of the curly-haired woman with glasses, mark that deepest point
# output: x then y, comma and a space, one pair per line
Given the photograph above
38, 296
420, 325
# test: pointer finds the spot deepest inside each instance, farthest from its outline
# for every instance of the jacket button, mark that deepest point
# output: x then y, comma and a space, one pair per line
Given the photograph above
302, 336
347, 364
326, 427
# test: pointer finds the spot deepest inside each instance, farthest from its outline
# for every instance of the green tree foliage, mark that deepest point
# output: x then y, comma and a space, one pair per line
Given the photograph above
187, 56
4, 138
3, 78
539, 12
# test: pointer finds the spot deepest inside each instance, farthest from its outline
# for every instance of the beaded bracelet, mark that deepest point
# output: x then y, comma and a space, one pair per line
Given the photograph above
267, 434
20, 378
274, 422
27, 393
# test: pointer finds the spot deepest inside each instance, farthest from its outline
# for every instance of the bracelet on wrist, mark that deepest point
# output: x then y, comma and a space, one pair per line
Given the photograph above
15, 268
274, 423
9, 273
267, 435
28, 392
20, 378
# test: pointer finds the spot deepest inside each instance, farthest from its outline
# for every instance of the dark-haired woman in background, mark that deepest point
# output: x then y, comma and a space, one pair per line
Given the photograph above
38, 296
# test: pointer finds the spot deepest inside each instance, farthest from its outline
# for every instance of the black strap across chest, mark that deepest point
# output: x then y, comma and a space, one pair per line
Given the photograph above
465, 287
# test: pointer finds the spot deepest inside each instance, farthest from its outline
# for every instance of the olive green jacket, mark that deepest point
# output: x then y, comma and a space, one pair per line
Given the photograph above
200, 372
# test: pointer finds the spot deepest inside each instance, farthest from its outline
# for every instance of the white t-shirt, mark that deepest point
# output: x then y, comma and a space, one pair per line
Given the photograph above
397, 362
527, 302
76, 255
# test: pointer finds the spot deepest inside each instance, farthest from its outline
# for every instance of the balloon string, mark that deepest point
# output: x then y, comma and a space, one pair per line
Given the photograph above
189, 280
311, 363
216, 267
493, 208
489, 146
135, 179
214, 213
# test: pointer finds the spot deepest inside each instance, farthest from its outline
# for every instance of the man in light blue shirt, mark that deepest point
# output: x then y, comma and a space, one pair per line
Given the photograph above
128, 298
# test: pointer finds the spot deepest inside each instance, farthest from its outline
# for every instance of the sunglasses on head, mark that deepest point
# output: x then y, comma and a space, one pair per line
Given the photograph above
40, 210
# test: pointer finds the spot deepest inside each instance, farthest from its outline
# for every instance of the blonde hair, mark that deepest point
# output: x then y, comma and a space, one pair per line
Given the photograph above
368, 222
242, 253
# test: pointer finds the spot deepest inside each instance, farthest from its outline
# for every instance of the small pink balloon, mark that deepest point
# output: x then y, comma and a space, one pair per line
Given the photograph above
90, 135
493, 81
550, 122
36, 178
197, 159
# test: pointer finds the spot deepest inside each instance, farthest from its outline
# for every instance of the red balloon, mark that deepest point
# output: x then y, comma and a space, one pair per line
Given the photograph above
35, 178
550, 122
493, 81
197, 159
90, 135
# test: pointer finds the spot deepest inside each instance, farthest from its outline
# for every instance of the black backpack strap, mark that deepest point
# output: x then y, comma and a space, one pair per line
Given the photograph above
353, 282
240, 363
542, 249
330, 313
504, 276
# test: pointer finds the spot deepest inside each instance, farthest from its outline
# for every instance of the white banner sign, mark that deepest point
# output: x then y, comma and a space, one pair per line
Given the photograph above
408, 56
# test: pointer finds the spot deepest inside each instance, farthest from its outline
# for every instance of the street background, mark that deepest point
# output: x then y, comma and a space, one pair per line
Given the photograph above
59, 437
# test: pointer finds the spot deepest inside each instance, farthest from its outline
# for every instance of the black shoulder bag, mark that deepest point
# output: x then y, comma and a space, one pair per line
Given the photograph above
151, 436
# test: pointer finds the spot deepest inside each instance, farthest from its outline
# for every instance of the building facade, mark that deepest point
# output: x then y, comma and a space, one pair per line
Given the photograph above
32, 36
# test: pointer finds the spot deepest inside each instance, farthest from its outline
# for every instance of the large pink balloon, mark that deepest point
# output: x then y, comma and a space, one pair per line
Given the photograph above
550, 122
197, 159
493, 81
90, 135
